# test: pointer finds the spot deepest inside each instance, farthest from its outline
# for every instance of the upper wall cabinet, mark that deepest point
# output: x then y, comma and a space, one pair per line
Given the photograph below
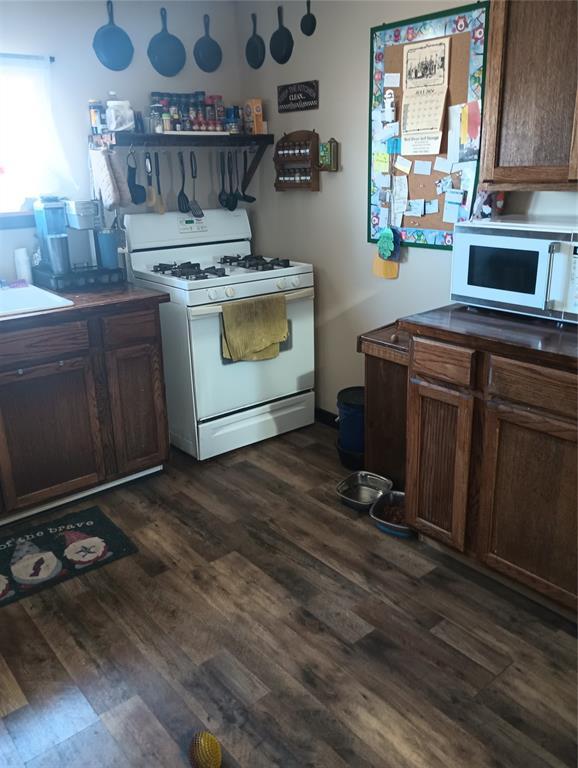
530, 134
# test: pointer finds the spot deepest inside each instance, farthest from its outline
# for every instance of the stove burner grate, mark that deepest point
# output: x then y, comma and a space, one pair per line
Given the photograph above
256, 263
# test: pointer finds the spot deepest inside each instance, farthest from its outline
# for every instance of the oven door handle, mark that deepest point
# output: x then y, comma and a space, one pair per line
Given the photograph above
215, 309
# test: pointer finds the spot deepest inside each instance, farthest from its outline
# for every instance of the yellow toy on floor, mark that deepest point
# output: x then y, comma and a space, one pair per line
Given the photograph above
205, 751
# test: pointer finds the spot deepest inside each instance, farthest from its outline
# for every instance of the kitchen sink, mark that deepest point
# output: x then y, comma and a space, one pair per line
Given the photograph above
29, 298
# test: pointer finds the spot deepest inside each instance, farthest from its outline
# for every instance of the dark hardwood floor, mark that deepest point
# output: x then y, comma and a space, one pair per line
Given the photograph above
260, 608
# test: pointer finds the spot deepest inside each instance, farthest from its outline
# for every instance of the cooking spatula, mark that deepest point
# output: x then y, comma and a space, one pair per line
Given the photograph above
182, 200
159, 203
151, 197
195, 208
223, 196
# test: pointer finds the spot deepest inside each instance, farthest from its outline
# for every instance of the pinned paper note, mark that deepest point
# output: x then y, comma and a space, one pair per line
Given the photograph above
432, 206
470, 124
394, 145
444, 184
453, 201
385, 132
399, 198
417, 143
380, 162
454, 122
415, 208
443, 165
384, 217
391, 79
422, 167
403, 164
383, 180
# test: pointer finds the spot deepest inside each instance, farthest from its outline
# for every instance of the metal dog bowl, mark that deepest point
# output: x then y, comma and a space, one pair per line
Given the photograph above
388, 512
361, 489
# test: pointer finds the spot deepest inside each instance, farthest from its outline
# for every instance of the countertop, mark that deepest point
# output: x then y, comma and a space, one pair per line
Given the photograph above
528, 338
87, 303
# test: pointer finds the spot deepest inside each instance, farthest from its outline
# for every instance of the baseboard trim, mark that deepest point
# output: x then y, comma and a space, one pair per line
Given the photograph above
326, 417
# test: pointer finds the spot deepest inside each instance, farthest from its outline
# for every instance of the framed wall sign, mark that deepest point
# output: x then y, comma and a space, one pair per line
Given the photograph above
425, 116
298, 97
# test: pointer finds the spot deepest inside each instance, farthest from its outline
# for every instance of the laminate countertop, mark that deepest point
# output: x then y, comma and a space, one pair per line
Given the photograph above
526, 338
87, 303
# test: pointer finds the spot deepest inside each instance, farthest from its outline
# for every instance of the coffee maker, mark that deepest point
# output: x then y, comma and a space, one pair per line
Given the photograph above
54, 216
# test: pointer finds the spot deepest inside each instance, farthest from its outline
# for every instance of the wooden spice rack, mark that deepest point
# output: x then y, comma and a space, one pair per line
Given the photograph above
294, 153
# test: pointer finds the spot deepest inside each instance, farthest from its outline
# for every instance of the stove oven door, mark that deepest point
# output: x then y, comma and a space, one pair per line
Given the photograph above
222, 386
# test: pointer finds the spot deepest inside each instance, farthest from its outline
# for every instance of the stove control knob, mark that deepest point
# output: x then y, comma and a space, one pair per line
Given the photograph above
212, 294
281, 283
229, 292
296, 282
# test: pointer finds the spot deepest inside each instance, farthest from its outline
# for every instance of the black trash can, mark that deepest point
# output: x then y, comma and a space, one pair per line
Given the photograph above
351, 441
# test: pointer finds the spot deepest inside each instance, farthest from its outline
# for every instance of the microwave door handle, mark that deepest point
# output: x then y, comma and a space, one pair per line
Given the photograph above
553, 249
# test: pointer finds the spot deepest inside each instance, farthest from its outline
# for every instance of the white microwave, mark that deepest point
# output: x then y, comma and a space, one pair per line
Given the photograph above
518, 264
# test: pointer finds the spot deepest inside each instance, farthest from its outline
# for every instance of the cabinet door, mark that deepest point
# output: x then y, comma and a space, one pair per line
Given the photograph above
136, 387
528, 499
530, 95
385, 418
439, 444
50, 442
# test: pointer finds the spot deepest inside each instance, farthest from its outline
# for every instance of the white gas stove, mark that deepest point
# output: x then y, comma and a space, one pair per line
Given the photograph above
216, 405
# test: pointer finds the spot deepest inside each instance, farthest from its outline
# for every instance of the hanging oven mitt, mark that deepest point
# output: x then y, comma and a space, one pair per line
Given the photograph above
386, 263
119, 177
103, 178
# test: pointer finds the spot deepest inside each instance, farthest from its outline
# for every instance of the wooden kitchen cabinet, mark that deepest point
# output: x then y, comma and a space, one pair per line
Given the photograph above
528, 499
386, 360
81, 396
439, 434
137, 402
530, 133
50, 442
491, 459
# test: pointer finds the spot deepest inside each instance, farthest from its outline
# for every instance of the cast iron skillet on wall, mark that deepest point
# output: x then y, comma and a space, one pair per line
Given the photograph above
255, 48
207, 52
308, 22
281, 45
112, 45
166, 52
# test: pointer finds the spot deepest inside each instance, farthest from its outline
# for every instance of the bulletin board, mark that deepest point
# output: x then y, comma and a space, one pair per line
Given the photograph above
458, 155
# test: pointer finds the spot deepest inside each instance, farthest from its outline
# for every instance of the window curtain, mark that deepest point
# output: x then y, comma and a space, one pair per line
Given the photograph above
32, 159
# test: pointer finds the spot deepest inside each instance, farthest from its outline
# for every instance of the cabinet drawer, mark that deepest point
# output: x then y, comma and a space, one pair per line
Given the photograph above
130, 328
545, 388
442, 361
42, 343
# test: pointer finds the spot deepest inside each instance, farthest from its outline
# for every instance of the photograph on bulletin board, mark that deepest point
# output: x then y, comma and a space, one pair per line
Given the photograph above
425, 118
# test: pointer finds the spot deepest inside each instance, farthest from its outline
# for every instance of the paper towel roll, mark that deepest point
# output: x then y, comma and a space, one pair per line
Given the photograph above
22, 265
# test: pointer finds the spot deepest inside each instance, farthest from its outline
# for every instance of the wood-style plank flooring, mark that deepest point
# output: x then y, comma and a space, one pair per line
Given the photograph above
260, 608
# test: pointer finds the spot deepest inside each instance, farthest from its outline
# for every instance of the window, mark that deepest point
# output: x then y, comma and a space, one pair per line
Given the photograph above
32, 160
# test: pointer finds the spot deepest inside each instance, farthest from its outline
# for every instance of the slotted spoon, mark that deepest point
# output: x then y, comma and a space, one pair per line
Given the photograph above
195, 208
182, 200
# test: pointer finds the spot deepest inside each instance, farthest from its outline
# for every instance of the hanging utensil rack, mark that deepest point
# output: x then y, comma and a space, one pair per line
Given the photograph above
258, 143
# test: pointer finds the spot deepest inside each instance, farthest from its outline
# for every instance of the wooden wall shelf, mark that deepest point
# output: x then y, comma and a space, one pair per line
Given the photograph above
181, 139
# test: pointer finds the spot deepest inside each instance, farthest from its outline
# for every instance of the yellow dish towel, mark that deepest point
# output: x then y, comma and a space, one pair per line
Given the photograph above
254, 328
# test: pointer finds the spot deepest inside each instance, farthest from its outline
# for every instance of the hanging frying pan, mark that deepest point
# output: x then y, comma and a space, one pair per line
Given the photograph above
112, 45
166, 52
255, 48
281, 45
207, 52
308, 22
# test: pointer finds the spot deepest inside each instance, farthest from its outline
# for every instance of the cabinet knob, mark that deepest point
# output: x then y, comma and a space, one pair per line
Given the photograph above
61, 363
20, 371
